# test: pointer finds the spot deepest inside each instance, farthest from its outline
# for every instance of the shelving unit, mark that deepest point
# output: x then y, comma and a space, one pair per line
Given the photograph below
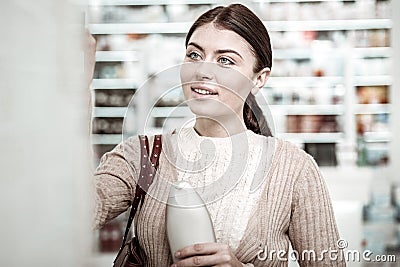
183, 27
116, 56
360, 52
154, 2
114, 84
294, 93
345, 111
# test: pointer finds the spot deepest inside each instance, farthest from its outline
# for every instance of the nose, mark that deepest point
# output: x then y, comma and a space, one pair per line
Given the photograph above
204, 71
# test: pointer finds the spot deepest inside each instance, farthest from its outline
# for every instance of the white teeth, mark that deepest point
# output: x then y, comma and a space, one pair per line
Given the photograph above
202, 92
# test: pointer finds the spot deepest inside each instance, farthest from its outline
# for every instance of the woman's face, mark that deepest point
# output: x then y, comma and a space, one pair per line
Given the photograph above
222, 76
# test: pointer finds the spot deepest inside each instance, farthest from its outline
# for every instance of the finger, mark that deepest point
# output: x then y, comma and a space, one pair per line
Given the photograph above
204, 260
199, 249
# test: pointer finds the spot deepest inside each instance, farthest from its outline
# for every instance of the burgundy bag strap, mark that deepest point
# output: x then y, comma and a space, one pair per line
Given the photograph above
147, 172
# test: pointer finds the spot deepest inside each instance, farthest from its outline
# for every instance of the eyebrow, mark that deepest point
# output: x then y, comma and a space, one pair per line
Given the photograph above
220, 51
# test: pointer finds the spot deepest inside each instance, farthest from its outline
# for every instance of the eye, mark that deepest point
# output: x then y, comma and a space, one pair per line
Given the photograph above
225, 61
193, 55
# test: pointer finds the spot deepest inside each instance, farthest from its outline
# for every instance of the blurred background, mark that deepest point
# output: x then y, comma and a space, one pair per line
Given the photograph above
331, 92
334, 91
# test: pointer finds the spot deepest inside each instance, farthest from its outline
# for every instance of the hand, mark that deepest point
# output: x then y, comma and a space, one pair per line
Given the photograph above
206, 254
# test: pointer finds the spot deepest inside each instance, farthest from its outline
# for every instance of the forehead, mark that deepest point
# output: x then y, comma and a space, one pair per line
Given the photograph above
211, 38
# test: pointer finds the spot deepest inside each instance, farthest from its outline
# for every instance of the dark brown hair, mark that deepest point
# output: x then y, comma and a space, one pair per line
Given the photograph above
241, 20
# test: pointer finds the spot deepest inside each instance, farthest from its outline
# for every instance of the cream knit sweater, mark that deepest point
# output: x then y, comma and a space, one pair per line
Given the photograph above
274, 194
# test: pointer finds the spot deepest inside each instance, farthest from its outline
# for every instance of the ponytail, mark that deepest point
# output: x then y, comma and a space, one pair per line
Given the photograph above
254, 117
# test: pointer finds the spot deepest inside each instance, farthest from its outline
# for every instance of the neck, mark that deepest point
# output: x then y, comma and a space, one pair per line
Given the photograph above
219, 127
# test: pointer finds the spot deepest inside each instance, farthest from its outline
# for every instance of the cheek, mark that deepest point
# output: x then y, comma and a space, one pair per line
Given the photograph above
187, 76
236, 85
186, 73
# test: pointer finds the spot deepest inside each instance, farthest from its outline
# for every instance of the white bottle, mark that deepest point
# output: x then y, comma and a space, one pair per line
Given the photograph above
187, 218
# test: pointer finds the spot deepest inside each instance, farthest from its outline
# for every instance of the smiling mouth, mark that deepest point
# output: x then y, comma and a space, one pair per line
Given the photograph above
203, 91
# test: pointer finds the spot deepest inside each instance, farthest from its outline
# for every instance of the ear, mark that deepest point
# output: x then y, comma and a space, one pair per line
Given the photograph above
260, 80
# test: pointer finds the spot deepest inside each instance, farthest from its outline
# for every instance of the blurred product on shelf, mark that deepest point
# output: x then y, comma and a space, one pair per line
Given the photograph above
372, 153
372, 139
151, 13
380, 231
107, 125
127, 14
113, 98
315, 62
372, 94
370, 38
305, 95
109, 70
184, 13
312, 124
304, 39
119, 42
172, 99
118, 70
372, 123
323, 153
366, 9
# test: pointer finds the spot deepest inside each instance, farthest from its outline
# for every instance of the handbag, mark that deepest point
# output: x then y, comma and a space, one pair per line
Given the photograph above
129, 254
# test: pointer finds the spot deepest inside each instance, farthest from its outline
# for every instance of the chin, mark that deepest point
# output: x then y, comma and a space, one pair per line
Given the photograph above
203, 110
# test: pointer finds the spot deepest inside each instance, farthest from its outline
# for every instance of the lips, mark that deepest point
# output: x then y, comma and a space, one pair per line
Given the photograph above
203, 90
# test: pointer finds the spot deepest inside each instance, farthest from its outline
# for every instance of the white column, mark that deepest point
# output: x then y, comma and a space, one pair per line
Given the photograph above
45, 162
395, 95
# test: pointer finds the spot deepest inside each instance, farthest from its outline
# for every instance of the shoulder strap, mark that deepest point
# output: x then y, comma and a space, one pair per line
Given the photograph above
147, 171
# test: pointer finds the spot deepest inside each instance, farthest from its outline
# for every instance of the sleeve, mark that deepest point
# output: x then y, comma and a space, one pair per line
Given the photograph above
312, 230
115, 181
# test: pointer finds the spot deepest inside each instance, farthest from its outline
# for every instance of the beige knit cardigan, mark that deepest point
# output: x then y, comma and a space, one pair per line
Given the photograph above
294, 207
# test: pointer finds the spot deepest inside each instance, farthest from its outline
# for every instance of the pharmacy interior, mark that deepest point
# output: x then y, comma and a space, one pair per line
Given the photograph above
331, 92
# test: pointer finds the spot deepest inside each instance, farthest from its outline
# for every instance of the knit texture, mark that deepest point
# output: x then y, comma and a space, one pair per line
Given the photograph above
291, 204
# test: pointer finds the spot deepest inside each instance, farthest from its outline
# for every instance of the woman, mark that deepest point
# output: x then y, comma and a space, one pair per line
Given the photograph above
290, 204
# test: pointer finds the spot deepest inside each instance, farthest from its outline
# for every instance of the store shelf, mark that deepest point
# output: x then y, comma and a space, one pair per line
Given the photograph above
116, 56
272, 82
183, 27
346, 79
373, 80
312, 137
184, 111
114, 84
152, 2
373, 52
303, 81
329, 25
140, 28
372, 108
306, 53
106, 139
109, 112
191, 2
171, 112
375, 137
295, 53
299, 1
307, 109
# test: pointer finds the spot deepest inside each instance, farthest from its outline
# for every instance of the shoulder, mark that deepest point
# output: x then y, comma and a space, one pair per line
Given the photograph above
291, 153
307, 174
285, 152
291, 160
290, 149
